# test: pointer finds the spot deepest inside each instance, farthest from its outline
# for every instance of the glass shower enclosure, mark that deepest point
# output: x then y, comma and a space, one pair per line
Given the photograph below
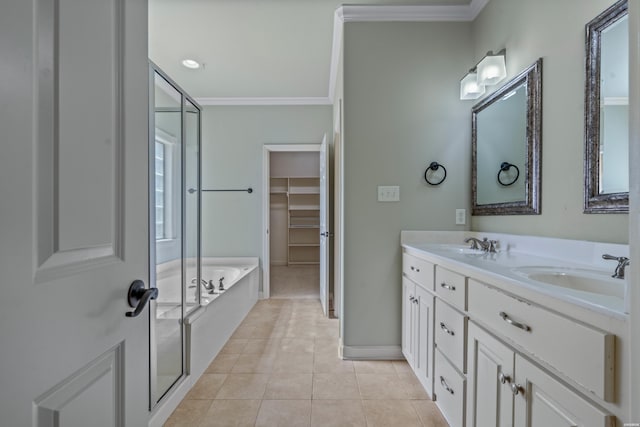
174, 215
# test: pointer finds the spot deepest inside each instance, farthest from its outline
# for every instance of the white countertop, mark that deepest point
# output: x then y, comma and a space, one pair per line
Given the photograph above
501, 268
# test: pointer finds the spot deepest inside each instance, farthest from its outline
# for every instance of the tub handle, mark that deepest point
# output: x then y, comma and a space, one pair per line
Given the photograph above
138, 297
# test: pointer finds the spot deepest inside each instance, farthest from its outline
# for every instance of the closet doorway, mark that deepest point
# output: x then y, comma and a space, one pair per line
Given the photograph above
296, 232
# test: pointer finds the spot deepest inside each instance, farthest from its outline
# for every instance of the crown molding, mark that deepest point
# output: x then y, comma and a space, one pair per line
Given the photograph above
416, 13
234, 101
384, 13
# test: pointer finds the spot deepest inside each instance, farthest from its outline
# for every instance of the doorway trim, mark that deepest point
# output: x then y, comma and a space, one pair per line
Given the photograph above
266, 175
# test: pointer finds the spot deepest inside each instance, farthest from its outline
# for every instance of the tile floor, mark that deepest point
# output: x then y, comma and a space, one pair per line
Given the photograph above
295, 281
281, 368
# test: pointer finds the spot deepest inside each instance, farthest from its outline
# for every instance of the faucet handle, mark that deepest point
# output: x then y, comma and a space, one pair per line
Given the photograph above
615, 258
492, 246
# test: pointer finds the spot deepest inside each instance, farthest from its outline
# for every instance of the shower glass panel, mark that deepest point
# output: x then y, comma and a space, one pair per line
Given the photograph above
192, 202
174, 239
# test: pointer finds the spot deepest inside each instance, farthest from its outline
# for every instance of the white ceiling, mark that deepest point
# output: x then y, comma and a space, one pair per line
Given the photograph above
251, 48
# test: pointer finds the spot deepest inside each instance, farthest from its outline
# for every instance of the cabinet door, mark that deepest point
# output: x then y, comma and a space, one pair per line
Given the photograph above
424, 338
490, 367
408, 295
542, 401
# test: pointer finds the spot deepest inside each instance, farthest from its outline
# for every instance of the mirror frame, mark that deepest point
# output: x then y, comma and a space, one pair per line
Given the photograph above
532, 76
594, 202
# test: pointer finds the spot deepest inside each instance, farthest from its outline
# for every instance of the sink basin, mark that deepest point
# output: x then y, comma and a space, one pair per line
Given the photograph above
579, 279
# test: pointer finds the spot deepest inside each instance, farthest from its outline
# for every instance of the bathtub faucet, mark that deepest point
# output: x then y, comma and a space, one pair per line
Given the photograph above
221, 285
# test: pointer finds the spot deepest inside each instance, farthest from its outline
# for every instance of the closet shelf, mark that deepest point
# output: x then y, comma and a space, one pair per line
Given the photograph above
311, 245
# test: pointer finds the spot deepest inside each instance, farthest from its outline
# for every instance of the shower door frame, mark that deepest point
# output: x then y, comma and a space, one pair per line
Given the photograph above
153, 69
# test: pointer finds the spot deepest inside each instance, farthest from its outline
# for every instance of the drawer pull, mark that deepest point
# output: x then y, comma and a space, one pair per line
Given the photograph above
515, 389
416, 301
510, 321
447, 330
416, 269
504, 378
411, 298
445, 385
450, 287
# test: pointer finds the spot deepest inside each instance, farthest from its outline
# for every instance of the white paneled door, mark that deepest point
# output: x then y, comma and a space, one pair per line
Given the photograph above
324, 225
73, 212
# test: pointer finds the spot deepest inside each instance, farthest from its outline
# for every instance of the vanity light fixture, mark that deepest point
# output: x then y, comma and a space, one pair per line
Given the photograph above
488, 72
492, 69
469, 87
191, 63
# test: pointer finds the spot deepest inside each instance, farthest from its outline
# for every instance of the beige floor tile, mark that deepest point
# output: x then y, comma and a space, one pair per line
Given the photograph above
429, 413
236, 413
300, 363
244, 332
296, 345
285, 413
331, 363
188, 413
255, 346
401, 367
337, 413
387, 413
222, 364
412, 387
243, 386
374, 367
234, 346
207, 386
380, 386
254, 364
335, 386
326, 346
289, 386
284, 354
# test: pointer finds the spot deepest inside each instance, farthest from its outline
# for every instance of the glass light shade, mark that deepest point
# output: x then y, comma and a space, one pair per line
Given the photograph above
469, 87
491, 70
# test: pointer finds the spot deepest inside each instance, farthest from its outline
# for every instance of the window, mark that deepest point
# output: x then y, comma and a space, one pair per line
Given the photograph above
164, 184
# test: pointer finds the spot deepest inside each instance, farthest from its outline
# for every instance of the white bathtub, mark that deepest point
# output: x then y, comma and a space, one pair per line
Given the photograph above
231, 270
212, 270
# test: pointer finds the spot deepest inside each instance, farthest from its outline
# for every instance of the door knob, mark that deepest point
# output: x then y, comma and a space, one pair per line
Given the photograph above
139, 296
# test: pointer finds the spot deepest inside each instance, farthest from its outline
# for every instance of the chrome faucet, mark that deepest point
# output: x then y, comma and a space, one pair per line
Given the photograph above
221, 285
622, 263
485, 244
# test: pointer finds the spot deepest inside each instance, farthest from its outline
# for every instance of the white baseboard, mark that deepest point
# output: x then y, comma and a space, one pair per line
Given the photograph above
373, 352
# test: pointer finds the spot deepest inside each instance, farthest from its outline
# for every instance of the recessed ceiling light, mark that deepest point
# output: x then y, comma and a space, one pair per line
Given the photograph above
191, 63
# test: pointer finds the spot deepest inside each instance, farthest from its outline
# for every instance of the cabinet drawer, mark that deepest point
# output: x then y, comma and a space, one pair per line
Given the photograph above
450, 391
586, 355
451, 287
418, 270
451, 334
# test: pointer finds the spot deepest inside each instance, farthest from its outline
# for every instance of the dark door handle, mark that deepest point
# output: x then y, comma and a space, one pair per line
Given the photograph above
139, 296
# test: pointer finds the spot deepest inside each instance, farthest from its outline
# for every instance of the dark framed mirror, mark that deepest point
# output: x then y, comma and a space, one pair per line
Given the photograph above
506, 144
606, 164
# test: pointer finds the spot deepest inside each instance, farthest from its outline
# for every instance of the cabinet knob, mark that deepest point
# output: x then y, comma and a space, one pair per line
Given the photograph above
515, 389
411, 298
504, 378
413, 268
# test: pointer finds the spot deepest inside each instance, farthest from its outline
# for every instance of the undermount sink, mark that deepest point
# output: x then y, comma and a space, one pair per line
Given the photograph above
585, 280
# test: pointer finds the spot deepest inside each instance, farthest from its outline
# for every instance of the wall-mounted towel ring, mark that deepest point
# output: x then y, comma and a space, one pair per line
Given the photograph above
504, 167
434, 166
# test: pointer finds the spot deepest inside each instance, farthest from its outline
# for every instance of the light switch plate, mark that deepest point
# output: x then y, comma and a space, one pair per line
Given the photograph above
388, 193
461, 216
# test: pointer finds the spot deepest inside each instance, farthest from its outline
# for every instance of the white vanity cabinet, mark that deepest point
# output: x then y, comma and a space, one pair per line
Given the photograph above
506, 389
499, 359
417, 323
490, 372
